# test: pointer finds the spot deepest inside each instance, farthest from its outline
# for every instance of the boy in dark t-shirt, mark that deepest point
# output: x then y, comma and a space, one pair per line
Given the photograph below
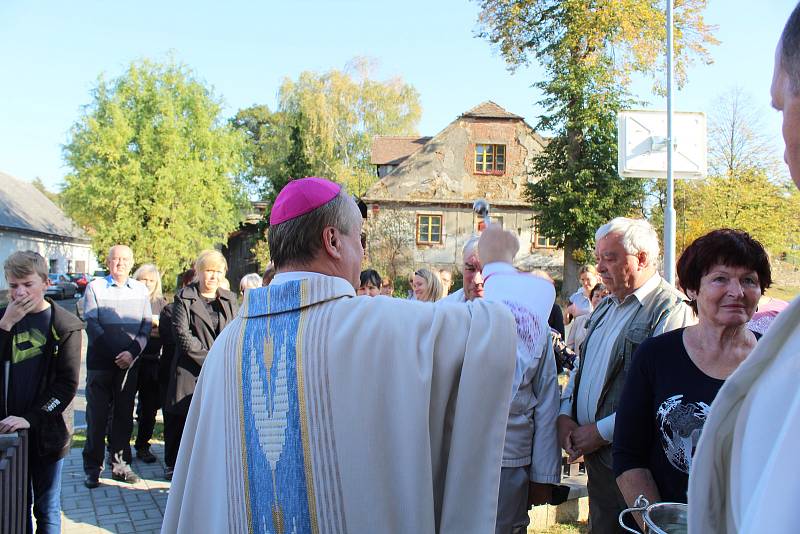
40, 347
27, 356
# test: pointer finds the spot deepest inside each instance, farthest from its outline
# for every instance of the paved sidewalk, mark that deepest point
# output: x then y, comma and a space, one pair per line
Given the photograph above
114, 506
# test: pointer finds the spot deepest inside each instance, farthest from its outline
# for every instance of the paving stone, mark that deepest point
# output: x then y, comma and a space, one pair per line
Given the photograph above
124, 528
108, 501
148, 524
153, 514
137, 514
103, 510
68, 489
130, 498
122, 517
81, 518
140, 506
69, 503
114, 506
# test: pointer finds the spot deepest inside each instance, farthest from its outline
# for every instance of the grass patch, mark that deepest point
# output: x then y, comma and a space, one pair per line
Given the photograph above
564, 528
787, 293
79, 437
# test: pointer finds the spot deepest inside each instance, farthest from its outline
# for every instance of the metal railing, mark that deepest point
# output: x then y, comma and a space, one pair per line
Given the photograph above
13, 482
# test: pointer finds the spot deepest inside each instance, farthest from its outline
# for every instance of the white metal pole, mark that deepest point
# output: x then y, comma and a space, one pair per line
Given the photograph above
669, 212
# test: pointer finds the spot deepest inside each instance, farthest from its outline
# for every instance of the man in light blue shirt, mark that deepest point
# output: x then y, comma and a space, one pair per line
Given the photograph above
118, 323
641, 305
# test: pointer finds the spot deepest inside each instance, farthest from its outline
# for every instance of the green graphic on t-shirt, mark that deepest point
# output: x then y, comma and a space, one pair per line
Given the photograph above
27, 345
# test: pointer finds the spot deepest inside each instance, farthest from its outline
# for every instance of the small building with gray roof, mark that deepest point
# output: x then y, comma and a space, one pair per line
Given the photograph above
30, 221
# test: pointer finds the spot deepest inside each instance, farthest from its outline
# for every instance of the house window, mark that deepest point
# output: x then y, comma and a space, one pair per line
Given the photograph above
53, 265
540, 241
490, 159
429, 229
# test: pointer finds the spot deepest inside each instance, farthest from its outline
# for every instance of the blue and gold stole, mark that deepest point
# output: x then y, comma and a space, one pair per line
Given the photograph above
274, 429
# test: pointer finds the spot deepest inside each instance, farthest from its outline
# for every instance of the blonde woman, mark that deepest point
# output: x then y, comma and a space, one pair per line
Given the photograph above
147, 381
580, 302
201, 311
577, 333
426, 286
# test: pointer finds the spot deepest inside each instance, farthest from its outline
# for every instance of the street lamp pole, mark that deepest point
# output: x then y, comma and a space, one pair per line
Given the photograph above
669, 212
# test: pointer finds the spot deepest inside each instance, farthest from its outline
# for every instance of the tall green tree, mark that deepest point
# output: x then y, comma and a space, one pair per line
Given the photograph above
324, 125
589, 50
748, 201
273, 145
154, 166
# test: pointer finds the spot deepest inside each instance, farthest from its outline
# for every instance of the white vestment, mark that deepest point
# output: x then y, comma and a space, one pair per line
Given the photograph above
746, 470
319, 412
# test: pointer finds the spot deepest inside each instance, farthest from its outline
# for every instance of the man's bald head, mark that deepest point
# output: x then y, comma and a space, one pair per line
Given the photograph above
119, 262
120, 250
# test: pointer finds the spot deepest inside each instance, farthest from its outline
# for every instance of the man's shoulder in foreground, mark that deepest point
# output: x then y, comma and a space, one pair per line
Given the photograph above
455, 296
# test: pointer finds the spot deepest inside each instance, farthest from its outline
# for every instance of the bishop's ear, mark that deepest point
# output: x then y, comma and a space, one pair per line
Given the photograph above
332, 243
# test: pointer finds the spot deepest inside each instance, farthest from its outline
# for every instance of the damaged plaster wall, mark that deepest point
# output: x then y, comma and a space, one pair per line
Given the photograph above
440, 179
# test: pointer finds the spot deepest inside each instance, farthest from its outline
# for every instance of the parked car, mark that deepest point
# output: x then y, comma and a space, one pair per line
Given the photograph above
81, 280
99, 273
61, 287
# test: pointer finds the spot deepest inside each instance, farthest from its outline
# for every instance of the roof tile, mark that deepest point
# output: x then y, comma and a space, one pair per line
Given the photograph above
490, 110
391, 150
25, 208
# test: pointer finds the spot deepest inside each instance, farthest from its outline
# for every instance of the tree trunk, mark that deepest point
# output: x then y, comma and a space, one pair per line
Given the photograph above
571, 267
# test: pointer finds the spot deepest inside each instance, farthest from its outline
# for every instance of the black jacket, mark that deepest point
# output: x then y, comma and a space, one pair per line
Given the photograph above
167, 349
50, 416
193, 334
152, 351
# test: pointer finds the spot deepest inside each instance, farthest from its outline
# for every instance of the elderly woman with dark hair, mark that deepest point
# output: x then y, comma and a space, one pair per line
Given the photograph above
674, 377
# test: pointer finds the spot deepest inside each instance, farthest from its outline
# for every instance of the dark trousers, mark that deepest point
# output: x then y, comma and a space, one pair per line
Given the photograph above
605, 500
512, 503
109, 412
173, 431
149, 402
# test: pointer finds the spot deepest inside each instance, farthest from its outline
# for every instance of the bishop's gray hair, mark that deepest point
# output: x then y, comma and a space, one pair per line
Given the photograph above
297, 241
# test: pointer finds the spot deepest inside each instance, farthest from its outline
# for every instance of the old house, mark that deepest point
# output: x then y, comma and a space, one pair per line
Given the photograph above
30, 221
428, 184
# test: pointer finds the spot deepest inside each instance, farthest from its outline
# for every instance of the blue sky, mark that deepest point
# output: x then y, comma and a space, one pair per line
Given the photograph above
53, 52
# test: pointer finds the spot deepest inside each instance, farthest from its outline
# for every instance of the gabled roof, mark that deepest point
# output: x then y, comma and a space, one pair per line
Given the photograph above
438, 172
391, 150
490, 110
24, 208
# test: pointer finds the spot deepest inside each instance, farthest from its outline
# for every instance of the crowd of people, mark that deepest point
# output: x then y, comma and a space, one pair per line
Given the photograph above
281, 415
